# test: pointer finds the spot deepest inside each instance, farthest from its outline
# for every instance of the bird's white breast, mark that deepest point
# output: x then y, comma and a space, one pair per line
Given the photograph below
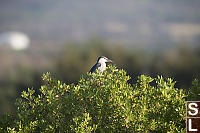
102, 67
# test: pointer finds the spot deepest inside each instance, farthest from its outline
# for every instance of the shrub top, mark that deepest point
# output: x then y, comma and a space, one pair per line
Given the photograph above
103, 103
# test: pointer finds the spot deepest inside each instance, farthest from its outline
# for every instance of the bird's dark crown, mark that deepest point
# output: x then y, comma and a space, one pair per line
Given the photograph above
101, 57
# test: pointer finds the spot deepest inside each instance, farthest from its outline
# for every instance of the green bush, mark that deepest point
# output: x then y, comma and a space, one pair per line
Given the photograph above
102, 103
194, 91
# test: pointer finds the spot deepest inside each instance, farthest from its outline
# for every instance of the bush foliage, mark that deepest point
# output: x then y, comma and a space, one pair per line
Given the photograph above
194, 91
101, 103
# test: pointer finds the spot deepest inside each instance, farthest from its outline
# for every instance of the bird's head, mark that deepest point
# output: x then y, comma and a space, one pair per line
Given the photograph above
103, 59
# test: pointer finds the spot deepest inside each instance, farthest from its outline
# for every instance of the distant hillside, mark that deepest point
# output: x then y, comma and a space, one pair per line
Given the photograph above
147, 22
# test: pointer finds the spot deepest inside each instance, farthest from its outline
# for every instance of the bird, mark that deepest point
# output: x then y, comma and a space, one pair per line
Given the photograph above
100, 64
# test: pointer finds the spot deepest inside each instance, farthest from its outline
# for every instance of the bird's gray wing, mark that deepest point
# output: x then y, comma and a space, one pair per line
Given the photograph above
95, 67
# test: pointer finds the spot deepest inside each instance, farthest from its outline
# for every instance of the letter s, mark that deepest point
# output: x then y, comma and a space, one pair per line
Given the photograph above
193, 108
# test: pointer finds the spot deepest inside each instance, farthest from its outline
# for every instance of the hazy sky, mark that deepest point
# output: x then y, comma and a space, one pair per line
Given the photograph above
149, 22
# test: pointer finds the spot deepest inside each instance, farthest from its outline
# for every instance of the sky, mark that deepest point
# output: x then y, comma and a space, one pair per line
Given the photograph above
148, 22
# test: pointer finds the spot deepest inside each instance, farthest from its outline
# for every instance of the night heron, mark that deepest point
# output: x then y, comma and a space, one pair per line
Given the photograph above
100, 64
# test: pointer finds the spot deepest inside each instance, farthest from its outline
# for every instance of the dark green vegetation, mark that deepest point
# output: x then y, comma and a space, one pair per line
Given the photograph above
194, 91
100, 103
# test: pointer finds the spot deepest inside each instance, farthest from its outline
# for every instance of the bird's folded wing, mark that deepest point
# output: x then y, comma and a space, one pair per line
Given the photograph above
95, 67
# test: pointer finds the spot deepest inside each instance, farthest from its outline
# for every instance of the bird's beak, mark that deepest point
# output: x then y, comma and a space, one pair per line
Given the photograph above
109, 60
